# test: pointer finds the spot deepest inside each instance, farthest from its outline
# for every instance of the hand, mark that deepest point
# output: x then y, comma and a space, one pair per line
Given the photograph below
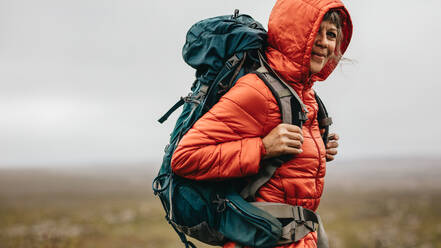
331, 147
283, 139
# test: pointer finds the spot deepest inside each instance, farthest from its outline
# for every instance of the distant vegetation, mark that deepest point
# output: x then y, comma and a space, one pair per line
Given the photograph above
373, 204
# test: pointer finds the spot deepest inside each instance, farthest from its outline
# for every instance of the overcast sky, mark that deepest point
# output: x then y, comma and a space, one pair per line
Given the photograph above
83, 82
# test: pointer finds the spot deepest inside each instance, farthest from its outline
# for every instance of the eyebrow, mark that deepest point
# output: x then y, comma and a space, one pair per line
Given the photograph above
333, 29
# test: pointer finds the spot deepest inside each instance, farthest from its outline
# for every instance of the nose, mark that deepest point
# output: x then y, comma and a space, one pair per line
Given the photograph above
321, 39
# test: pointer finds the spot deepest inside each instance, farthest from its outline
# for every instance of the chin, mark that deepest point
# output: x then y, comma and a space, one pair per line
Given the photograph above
316, 67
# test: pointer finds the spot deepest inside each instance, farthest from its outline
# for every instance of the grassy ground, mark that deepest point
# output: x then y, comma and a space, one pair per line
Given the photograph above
44, 210
117, 220
380, 219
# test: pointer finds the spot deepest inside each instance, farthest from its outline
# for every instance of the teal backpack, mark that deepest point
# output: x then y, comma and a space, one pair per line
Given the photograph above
223, 49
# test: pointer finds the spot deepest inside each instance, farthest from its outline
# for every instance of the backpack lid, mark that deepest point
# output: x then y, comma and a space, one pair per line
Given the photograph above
209, 43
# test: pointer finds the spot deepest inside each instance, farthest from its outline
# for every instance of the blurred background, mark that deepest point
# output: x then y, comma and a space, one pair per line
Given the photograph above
82, 84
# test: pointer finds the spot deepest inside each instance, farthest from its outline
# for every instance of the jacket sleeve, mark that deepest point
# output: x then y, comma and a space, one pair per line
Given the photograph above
227, 141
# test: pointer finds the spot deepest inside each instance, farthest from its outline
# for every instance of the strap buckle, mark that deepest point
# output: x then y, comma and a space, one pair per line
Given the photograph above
299, 217
190, 99
231, 62
303, 116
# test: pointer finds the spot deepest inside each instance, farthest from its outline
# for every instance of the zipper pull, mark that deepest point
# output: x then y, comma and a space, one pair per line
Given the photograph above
221, 203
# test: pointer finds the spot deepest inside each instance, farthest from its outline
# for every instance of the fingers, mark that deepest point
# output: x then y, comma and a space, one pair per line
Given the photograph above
283, 139
293, 151
329, 158
332, 152
294, 136
291, 128
292, 132
333, 136
288, 139
332, 144
294, 143
331, 147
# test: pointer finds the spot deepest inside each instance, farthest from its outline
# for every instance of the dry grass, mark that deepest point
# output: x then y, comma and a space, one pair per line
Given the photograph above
48, 210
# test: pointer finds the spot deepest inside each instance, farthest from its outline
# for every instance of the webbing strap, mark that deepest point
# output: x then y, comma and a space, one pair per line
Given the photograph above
171, 110
284, 95
265, 67
303, 221
282, 211
188, 244
195, 99
323, 119
322, 238
268, 167
236, 72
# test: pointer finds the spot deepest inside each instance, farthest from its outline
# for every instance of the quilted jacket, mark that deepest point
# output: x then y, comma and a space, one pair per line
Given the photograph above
227, 141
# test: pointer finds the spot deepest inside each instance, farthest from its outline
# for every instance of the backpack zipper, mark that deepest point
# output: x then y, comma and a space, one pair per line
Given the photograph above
236, 207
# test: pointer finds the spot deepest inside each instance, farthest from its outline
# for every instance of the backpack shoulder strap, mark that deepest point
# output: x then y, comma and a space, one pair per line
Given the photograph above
293, 111
323, 118
291, 107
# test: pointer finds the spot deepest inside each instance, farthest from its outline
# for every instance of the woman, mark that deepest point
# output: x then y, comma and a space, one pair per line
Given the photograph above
306, 39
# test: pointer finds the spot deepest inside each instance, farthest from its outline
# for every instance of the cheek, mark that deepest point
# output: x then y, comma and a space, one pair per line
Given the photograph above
331, 47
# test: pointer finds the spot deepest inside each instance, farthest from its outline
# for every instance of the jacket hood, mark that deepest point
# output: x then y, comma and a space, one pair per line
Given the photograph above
292, 28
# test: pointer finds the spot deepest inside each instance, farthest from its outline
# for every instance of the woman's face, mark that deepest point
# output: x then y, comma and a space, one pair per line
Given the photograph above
324, 46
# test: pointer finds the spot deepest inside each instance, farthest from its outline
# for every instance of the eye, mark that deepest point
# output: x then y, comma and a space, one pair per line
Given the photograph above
331, 34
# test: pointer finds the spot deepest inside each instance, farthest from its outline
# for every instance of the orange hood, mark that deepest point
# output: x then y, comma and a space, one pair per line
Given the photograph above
292, 28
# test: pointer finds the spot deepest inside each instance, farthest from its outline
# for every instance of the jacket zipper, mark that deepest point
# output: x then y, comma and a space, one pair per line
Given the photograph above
316, 145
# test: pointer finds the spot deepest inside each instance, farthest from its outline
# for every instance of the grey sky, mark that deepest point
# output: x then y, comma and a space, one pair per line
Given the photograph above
83, 82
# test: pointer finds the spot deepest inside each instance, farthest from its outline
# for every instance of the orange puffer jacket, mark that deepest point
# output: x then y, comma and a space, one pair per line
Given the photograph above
227, 141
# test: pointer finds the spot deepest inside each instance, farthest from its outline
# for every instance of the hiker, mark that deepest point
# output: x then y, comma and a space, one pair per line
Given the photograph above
306, 40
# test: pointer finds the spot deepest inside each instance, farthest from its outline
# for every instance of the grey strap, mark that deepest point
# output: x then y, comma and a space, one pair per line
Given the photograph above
283, 211
303, 222
322, 238
268, 167
283, 94
264, 67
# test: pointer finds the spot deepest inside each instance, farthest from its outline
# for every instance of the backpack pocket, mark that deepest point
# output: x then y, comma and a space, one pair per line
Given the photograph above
213, 212
248, 225
193, 212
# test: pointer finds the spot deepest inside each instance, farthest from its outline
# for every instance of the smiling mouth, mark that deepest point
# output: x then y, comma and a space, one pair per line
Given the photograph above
322, 55
318, 57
